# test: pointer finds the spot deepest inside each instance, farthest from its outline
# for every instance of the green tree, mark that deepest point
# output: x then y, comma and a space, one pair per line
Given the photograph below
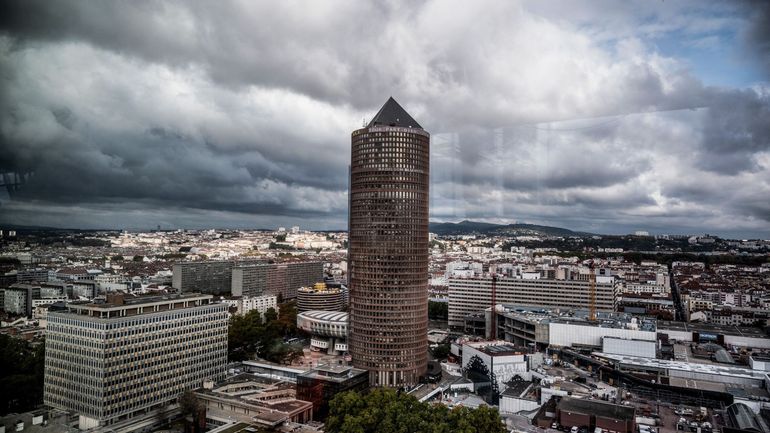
386, 411
246, 336
21, 370
253, 335
270, 315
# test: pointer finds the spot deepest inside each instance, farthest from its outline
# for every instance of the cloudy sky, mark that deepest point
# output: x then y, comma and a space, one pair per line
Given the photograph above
605, 116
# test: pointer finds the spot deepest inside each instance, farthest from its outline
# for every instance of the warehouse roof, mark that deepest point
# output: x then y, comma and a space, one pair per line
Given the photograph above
596, 407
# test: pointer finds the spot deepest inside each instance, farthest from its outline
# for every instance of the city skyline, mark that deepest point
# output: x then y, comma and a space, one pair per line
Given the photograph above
604, 118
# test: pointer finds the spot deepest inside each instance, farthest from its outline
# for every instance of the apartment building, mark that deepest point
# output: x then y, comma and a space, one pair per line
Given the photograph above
113, 361
275, 278
474, 294
22, 299
244, 305
213, 276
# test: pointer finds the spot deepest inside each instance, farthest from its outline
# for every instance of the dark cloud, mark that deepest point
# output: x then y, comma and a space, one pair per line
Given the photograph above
194, 114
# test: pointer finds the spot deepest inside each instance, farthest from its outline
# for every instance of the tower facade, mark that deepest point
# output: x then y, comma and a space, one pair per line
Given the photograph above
388, 248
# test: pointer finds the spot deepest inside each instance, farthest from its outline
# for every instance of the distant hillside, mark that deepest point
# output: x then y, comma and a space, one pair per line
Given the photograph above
481, 228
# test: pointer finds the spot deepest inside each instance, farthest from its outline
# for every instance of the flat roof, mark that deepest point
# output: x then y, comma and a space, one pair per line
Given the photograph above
742, 331
597, 407
517, 388
577, 316
333, 373
661, 364
704, 385
496, 348
327, 316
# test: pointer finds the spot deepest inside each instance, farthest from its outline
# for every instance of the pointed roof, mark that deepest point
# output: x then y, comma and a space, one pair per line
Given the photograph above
392, 114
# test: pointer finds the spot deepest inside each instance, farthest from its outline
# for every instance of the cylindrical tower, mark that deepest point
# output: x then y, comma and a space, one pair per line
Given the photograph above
388, 248
320, 297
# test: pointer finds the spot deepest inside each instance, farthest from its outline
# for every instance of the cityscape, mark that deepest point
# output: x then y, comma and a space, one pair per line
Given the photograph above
524, 217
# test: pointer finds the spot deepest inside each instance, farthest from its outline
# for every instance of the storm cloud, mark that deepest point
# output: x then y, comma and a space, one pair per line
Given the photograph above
190, 114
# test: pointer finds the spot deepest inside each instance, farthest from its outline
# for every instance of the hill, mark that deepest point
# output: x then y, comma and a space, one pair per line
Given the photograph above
480, 228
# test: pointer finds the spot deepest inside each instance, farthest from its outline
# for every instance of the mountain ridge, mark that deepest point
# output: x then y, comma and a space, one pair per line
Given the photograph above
467, 227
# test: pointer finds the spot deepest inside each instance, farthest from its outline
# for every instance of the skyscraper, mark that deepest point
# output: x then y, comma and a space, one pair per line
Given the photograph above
388, 251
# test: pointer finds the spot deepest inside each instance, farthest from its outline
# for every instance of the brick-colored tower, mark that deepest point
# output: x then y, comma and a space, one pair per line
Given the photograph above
388, 248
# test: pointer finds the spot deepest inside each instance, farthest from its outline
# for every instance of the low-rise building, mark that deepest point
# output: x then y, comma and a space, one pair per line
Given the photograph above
595, 414
321, 384
246, 304
498, 361
544, 327
251, 399
329, 330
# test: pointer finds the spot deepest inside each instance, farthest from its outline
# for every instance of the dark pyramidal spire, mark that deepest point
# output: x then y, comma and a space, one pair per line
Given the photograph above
393, 114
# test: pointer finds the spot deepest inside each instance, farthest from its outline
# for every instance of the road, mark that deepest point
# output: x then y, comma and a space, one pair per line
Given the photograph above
676, 296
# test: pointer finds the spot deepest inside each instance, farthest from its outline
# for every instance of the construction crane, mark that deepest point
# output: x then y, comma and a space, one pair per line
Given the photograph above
591, 292
493, 312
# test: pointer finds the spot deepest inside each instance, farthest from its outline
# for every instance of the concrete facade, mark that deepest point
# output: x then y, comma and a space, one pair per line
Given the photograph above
110, 362
471, 295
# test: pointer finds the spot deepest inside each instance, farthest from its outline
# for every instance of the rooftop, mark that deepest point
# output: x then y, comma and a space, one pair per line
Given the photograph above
333, 373
392, 114
661, 364
517, 388
597, 407
320, 288
330, 316
121, 306
274, 400
577, 316
496, 348
743, 331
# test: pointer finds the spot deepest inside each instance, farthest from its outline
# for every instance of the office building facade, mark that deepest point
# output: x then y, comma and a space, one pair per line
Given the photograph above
474, 294
113, 361
388, 247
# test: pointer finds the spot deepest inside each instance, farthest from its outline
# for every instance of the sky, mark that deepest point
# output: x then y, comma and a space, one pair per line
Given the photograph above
600, 116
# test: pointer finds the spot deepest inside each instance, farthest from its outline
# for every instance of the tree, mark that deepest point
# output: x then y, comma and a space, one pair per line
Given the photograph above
287, 318
385, 410
245, 336
270, 315
441, 351
190, 406
253, 335
438, 310
189, 403
21, 370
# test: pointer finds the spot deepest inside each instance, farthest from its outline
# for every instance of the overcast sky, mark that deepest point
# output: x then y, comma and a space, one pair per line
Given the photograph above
601, 116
